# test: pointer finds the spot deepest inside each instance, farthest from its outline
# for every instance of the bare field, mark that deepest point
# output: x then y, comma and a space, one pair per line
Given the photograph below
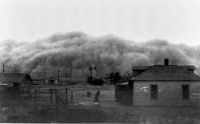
83, 110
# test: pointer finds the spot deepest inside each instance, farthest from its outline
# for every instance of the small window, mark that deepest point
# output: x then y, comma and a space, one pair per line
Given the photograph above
185, 91
154, 91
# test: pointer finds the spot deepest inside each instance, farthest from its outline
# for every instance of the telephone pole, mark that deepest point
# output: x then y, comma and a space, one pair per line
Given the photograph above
58, 75
3, 69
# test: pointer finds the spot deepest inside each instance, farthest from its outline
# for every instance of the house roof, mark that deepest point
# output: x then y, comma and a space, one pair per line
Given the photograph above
188, 67
13, 77
140, 67
167, 73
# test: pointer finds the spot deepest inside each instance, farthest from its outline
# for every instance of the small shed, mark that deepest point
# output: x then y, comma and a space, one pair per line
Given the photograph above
123, 93
53, 80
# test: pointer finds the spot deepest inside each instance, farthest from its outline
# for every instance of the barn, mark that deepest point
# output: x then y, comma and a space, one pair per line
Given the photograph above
15, 82
165, 85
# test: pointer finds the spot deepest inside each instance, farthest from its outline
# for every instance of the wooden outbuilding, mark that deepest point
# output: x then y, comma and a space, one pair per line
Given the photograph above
15, 83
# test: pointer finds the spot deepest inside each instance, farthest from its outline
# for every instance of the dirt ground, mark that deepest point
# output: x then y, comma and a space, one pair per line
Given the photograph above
83, 110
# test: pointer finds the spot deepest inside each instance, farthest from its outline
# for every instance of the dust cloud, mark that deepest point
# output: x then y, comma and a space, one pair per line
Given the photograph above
74, 52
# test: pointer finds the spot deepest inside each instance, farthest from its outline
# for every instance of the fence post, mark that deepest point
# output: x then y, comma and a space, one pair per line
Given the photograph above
72, 96
35, 94
51, 95
66, 97
38, 94
56, 95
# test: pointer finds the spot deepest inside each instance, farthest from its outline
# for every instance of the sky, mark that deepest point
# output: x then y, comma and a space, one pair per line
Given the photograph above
177, 21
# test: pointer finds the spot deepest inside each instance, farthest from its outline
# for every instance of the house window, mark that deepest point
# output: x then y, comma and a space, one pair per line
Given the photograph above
154, 91
185, 91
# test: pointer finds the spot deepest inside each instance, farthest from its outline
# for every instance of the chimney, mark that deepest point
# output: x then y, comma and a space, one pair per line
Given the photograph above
166, 62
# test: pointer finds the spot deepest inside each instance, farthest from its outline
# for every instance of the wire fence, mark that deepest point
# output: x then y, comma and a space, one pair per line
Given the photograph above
67, 95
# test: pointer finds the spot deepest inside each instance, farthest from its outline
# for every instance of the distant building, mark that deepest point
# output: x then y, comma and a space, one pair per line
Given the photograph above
53, 80
39, 81
15, 82
70, 81
165, 85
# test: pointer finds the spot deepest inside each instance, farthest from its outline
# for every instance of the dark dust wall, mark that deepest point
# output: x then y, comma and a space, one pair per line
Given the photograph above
77, 51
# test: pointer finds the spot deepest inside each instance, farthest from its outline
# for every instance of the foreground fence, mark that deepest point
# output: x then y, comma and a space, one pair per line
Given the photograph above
64, 95
50, 97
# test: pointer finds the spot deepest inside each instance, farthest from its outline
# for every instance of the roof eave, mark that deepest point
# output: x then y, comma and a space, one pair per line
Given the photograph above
167, 80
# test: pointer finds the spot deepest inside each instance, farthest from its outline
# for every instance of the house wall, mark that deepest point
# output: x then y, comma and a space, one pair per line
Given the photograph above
169, 94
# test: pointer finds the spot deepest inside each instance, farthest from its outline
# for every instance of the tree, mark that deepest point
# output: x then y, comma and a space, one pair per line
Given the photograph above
117, 78
110, 77
126, 77
114, 78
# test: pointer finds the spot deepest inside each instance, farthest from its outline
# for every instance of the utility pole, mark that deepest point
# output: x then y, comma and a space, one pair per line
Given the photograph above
3, 71
58, 75
3, 68
70, 73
